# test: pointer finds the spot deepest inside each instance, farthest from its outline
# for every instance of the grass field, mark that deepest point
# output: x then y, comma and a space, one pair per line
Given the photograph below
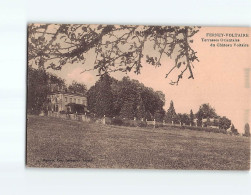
53, 142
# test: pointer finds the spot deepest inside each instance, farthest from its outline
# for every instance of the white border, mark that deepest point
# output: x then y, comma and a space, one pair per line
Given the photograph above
16, 179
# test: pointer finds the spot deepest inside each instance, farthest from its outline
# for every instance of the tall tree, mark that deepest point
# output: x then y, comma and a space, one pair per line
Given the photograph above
192, 117
40, 84
129, 97
117, 47
104, 99
91, 99
171, 114
247, 130
38, 90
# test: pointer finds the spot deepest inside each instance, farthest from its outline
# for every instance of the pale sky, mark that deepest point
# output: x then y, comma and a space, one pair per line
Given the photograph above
219, 78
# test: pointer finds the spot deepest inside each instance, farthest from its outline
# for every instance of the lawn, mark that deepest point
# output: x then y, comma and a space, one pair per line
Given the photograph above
54, 142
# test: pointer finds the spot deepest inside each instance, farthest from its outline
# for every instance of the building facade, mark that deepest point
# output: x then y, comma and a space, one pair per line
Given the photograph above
65, 101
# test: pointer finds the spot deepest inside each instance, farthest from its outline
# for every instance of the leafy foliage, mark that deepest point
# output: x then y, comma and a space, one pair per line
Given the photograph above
117, 47
171, 114
224, 123
185, 119
205, 111
37, 90
102, 102
76, 87
40, 83
126, 99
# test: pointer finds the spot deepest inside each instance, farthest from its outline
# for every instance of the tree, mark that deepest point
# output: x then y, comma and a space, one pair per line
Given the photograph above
91, 99
104, 98
178, 118
140, 111
117, 47
185, 119
76, 87
159, 115
133, 99
161, 96
206, 111
192, 117
100, 97
38, 90
127, 99
224, 123
171, 114
40, 84
234, 130
247, 130
55, 83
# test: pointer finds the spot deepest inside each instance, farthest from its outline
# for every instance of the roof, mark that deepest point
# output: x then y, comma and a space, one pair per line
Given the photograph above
68, 93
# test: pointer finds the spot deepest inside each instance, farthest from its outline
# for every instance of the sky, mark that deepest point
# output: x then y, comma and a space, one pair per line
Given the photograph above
219, 77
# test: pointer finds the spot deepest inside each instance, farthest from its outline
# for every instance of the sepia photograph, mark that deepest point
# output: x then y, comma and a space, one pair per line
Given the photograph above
125, 97
138, 97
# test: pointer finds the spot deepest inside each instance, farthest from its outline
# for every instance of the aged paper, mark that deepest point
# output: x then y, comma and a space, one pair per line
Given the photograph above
138, 97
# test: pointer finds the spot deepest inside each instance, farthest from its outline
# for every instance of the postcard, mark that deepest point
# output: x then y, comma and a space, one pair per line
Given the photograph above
138, 97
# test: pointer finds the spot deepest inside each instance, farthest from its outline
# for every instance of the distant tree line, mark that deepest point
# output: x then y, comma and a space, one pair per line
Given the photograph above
205, 112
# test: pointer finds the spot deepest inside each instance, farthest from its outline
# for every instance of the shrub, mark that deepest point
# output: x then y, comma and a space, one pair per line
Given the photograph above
142, 124
117, 121
133, 124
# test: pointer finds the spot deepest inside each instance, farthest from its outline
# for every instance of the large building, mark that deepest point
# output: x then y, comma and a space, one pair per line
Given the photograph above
67, 102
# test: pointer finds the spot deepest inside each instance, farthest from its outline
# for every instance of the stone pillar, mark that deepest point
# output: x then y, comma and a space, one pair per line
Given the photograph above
104, 120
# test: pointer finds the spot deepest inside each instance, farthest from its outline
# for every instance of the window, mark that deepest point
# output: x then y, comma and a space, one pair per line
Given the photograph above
74, 100
83, 102
79, 101
65, 99
70, 100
